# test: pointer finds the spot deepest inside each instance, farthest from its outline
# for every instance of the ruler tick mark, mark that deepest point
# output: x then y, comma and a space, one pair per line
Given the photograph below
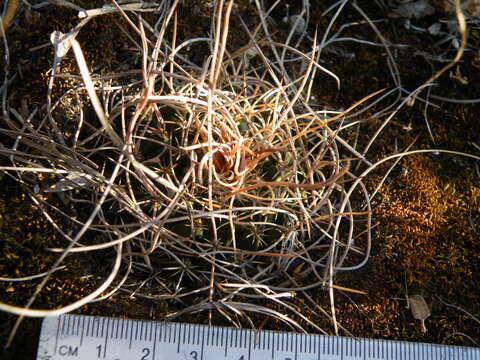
178, 342
131, 333
154, 346
83, 329
203, 342
105, 338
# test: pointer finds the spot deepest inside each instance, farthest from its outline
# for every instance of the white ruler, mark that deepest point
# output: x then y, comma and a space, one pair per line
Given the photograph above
91, 337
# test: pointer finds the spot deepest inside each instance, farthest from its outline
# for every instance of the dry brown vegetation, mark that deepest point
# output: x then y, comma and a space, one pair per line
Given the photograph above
234, 181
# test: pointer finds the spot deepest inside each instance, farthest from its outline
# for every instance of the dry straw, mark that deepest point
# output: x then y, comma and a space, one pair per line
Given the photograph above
218, 182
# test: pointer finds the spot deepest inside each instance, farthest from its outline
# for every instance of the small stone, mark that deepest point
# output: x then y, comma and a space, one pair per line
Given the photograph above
419, 309
413, 10
297, 22
434, 29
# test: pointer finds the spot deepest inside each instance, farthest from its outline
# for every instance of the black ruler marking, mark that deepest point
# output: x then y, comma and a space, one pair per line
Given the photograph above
174, 334
113, 327
83, 329
155, 326
106, 337
296, 345
184, 334
131, 333
203, 342
64, 319
77, 325
56, 336
117, 327
319, 339
226, 342
89, 323
198, 330
364, 350
251, 333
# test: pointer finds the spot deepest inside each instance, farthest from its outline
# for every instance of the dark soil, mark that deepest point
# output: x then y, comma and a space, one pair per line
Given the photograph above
427, 214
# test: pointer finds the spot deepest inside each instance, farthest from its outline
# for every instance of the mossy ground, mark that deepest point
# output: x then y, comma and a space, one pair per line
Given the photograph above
427, 234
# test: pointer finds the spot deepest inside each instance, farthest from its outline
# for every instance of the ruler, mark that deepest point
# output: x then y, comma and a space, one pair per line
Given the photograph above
83, 337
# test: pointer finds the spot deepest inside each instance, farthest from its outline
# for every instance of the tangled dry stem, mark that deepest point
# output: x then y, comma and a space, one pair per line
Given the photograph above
220, 182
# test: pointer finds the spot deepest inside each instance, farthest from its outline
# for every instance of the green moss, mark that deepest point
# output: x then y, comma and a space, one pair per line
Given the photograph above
427, 233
